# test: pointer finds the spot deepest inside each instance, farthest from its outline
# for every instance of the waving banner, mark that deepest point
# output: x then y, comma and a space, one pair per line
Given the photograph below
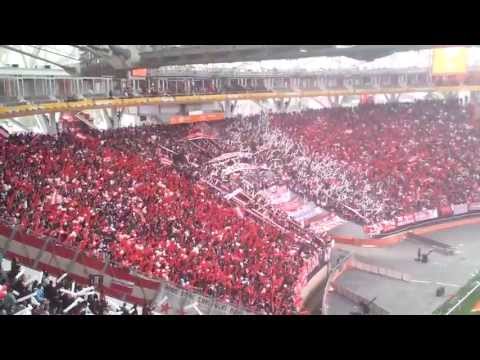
233, 194
179, 119
240, 168
198, 135
231, 156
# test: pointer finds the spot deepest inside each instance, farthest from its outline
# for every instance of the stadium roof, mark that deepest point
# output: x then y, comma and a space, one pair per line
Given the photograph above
101, 58
154, 56
191, 54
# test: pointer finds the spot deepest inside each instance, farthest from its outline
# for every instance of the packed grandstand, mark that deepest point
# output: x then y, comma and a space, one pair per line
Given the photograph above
151, 200
238, 211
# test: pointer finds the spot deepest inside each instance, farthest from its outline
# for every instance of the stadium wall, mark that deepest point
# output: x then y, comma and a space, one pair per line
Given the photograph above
334, 274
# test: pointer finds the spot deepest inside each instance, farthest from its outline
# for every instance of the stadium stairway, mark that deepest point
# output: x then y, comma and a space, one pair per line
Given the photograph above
86, 119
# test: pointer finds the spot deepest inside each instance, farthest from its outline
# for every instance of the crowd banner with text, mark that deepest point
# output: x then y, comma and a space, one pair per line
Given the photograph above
405, 220
372, 229
460, 209
474, 206
420, 216
189, 119
426, 215
327, 223
389, 225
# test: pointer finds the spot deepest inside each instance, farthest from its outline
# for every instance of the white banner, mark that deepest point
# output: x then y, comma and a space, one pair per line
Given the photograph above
433, 213
316, 211
326, 224
373, 229
279, 198
460, 209
233, 194
426, 215
305, 210
388, 225
239, 168
474, 206
405, 220
230, 156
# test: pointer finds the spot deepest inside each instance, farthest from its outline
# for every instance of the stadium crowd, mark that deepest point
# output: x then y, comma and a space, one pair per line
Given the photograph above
386, 160
367, 164
137, 195
22, 294
113, 194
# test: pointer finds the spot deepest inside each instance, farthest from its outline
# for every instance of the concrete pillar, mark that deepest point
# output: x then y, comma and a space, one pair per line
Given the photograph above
392, 98
318, 101
335, 100
279, 105
42, 121
229, 107
53, 128
108, 119
118, 113
261, 104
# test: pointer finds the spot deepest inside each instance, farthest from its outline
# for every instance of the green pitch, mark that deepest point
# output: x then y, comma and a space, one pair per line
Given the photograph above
465, 308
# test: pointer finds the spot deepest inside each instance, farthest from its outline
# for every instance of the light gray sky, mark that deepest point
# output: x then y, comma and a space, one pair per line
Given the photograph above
421, 58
